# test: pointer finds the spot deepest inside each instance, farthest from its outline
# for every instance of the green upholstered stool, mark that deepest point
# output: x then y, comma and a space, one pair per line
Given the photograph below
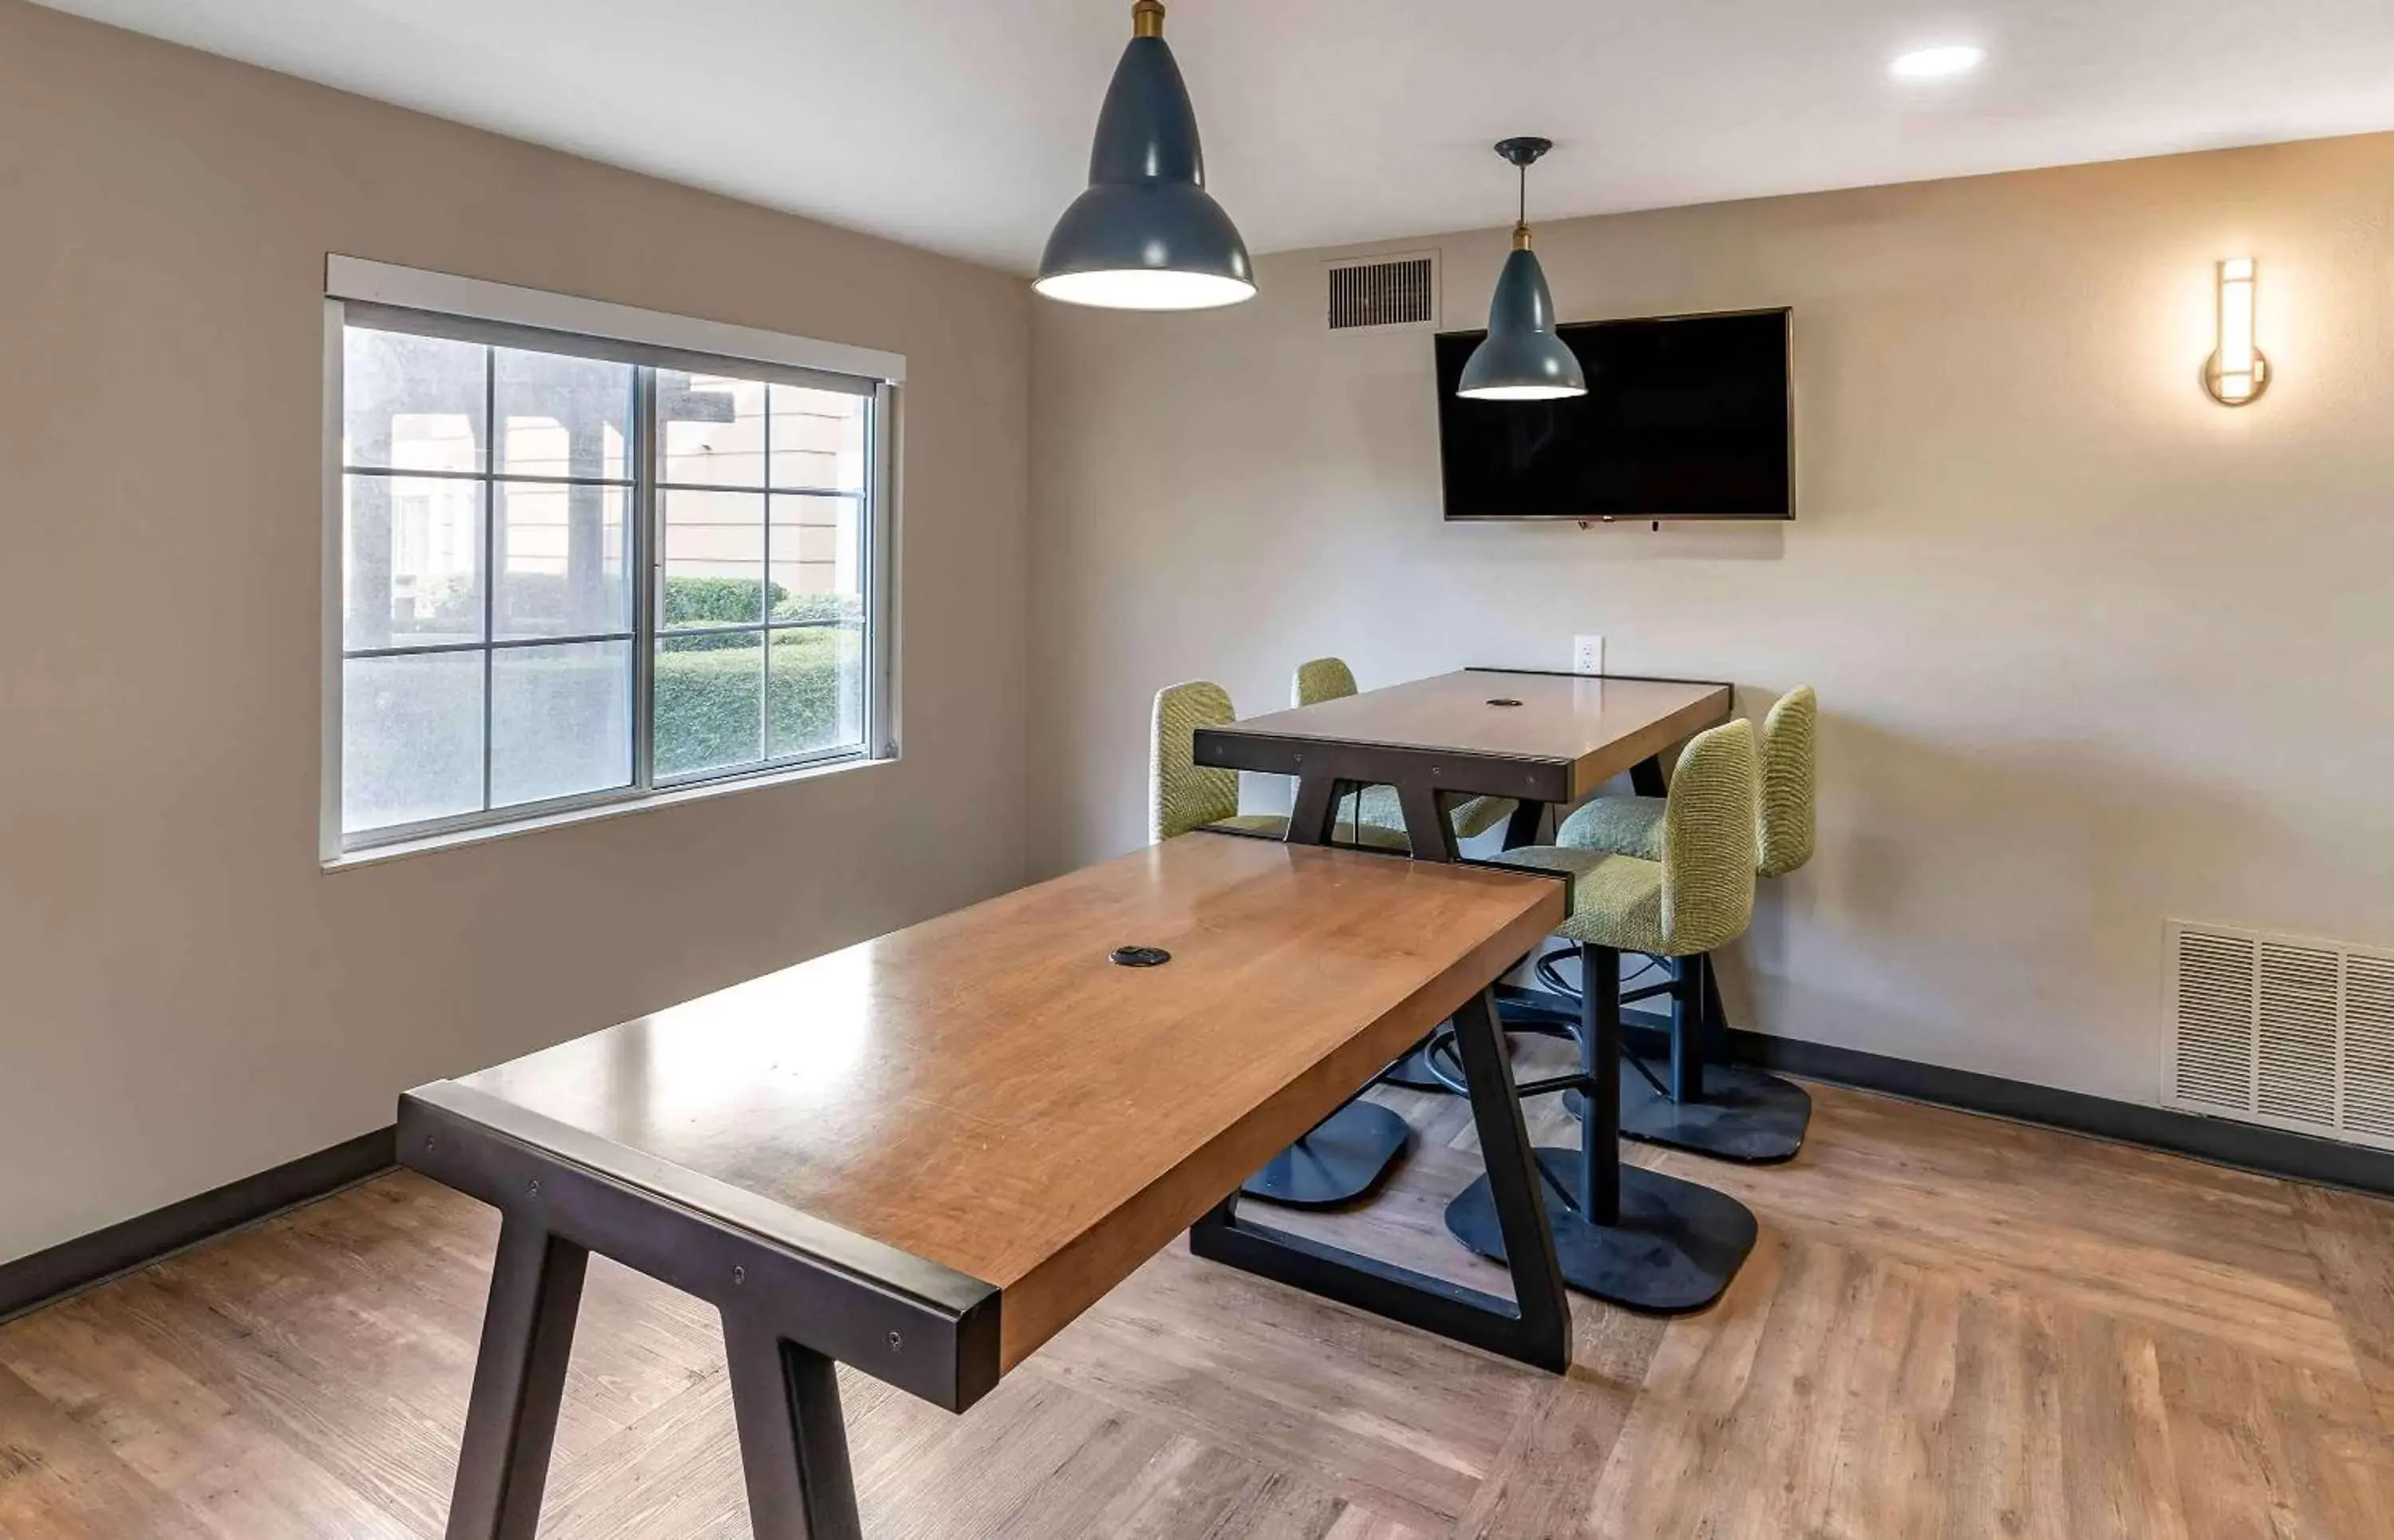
1718, 1108
1340, 1158
1632, 1236
1183, 795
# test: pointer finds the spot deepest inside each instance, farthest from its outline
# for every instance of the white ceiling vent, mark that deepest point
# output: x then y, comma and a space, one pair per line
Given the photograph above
1399, 289
2283, 1030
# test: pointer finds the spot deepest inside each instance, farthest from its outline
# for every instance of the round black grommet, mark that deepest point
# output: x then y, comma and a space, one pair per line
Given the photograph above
1141, 957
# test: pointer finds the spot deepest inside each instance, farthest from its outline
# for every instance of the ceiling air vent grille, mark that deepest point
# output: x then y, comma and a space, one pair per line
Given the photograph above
1381, 292
2284, 1030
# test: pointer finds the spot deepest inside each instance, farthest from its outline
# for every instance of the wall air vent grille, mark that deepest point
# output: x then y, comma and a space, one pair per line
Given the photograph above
2289, 1030
1381, 292
2369, 1045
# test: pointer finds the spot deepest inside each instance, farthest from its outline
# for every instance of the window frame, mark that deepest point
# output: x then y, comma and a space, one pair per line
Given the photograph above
498, 315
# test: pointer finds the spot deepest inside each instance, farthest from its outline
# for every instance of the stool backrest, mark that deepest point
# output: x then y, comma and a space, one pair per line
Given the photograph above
1708, 840
1784, 832
1322, 680
1181, 793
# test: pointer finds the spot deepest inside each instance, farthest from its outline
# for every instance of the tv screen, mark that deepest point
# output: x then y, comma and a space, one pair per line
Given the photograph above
1685, 417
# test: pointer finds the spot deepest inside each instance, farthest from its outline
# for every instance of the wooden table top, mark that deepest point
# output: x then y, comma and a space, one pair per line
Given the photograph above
1596, 727
988, 1092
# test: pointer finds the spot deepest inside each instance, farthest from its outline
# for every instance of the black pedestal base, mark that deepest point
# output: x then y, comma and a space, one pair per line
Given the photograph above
1413, 1074
1675, 1250
1745, 1115
1338, 1161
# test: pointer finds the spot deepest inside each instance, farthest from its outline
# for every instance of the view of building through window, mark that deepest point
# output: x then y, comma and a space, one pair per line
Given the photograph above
498, 507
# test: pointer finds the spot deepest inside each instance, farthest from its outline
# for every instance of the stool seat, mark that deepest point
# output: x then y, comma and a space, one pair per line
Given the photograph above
1475, 815
1616, 900
1699, 895
1625, 825
1379, 837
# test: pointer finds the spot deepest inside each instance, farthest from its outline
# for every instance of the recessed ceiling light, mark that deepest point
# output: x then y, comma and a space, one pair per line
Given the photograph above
1957, 59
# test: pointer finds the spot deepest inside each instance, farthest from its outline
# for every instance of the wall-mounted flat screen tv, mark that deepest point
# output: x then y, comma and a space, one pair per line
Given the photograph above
1685, 417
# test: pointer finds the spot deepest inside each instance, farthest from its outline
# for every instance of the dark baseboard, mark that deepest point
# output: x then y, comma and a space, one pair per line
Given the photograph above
31, 1282
2221, 1141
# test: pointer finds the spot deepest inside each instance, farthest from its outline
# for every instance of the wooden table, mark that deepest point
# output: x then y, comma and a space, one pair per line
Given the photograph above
1541, 738
1544, 740
923, 1155
1554, 740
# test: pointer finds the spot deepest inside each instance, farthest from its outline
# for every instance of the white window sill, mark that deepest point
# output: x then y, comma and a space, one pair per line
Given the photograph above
483, 834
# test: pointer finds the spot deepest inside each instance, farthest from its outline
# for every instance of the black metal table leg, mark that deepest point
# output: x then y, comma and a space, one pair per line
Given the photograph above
793, 1441
1414, 1071
1625, 1235
1523, 827
519, 1381
1534, 1326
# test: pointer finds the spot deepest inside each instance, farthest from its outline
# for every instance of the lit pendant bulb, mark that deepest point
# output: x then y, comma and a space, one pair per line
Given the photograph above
1521, 360
1146, 235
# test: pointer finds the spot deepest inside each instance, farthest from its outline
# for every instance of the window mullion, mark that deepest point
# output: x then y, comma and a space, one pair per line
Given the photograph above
489, 554
648, 562
764, 594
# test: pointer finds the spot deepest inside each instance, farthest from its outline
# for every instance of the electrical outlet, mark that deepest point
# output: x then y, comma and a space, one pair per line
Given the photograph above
1587, 654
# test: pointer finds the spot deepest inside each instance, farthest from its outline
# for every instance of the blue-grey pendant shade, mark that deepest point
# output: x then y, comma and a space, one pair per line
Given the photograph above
1146, 235
1521, 359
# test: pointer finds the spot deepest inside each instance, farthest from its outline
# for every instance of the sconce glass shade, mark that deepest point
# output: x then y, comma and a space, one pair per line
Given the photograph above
1521, 359
2236, 373
1146, 235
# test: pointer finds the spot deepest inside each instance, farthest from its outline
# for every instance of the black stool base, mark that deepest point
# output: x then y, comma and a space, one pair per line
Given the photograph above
1745, 1116
1675, 1250
1342, 1159
1411, 1073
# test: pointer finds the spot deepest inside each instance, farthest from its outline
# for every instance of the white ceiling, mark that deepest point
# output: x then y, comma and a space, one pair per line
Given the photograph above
963, 125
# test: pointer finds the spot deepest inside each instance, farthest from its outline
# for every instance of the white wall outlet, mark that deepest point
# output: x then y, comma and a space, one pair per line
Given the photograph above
1587, 654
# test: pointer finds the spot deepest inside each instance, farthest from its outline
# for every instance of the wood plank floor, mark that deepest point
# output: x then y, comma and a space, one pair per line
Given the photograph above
1952, 1326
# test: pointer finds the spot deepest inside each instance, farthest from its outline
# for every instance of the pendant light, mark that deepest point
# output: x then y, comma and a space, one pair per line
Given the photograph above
1522, 360
1146, 235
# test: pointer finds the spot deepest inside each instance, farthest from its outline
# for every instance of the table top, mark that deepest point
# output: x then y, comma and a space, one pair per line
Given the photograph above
988, 1092
1596, 727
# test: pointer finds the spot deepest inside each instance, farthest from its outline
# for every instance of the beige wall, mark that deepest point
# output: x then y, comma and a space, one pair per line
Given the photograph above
184, 997
2093, 649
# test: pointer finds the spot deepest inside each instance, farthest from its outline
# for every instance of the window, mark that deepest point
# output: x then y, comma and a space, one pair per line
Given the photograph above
577, 569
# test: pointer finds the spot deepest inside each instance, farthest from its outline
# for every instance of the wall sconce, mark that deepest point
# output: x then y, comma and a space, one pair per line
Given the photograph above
2236, 373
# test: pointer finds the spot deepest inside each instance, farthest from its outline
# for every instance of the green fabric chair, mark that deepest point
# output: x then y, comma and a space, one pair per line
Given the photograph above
1785, 813
1742, 1113
1623, 1234
1183, 795
1695, 892
1331, 679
